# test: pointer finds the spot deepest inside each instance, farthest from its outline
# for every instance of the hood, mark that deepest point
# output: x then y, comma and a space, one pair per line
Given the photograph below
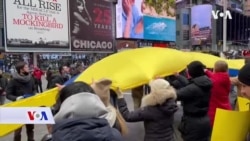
169, 106
203, 82
160, 92
93, 129
21, 78
83, 105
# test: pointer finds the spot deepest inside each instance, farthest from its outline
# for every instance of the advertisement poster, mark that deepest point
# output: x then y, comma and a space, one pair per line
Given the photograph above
146, 19
246, 8
201, 22
37, 25
91, 25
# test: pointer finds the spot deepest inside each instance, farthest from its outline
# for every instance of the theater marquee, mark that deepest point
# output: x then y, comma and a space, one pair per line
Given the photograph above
91, 25
37, 25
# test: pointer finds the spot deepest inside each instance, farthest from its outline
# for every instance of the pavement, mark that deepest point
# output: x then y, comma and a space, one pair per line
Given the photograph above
136, 130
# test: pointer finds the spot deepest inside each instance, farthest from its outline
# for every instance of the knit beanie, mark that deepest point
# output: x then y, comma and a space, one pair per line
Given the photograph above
196, 69
244, 74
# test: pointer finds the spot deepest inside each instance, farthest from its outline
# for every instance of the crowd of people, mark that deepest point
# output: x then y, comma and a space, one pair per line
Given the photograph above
94, 112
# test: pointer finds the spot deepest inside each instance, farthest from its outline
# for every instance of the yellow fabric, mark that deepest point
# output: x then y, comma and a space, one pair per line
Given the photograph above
236, 63
47, 98
244, 104
209, 60
136, 67
230, 125
206, 59
127, 69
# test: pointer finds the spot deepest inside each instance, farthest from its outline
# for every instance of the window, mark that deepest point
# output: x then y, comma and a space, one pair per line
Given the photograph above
177, 16
177, 33
195, 1
185, 19
185, 34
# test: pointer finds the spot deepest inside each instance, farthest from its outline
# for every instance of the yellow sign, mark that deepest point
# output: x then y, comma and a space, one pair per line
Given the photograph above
244, 104
232, 125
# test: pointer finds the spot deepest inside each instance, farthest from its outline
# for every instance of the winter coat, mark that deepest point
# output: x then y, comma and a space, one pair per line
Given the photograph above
179, 82
219, 93
49, 75
158, 118
3, 85
20, 86
195, 97
56, 79
93, 123
38, 74
81, 129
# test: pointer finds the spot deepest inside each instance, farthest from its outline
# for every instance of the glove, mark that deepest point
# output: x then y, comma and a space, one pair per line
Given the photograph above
19, 97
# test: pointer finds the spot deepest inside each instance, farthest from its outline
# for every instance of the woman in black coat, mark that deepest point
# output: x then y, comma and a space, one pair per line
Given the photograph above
157, 111
195, 96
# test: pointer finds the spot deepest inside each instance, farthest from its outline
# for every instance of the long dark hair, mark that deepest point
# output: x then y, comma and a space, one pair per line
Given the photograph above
74, 88
69, 90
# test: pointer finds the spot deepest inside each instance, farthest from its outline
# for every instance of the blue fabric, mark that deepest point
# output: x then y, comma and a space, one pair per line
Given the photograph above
71, 80
233, 72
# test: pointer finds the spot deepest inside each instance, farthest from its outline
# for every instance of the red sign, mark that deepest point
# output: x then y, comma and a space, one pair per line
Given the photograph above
162, 45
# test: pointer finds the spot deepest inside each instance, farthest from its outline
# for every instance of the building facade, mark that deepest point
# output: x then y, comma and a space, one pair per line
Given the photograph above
238, 32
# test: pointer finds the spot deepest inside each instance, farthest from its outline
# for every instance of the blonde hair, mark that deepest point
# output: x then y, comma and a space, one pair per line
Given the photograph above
221, 66
102, 89
122, 123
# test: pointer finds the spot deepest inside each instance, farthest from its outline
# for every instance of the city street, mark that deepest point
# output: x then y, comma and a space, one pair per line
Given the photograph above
136, 130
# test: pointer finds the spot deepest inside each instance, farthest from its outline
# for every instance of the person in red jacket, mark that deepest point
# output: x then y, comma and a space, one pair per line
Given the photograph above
220, 90
38, 73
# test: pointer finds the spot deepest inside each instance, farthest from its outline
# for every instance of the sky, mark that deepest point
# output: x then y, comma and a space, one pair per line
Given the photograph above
201, 15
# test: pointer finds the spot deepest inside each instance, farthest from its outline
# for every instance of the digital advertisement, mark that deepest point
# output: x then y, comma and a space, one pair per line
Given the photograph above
91, 25
125, 44
36, 24
146, 19
246, 7
201, 22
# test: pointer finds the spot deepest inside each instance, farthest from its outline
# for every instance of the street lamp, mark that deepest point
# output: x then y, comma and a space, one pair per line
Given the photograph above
224, 27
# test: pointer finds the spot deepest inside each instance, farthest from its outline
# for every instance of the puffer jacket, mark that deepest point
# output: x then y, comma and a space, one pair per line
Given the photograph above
158, 118
78, 129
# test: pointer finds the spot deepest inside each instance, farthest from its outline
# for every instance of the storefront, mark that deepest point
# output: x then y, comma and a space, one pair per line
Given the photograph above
162, 44
122, 45
54, 60
9, 60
